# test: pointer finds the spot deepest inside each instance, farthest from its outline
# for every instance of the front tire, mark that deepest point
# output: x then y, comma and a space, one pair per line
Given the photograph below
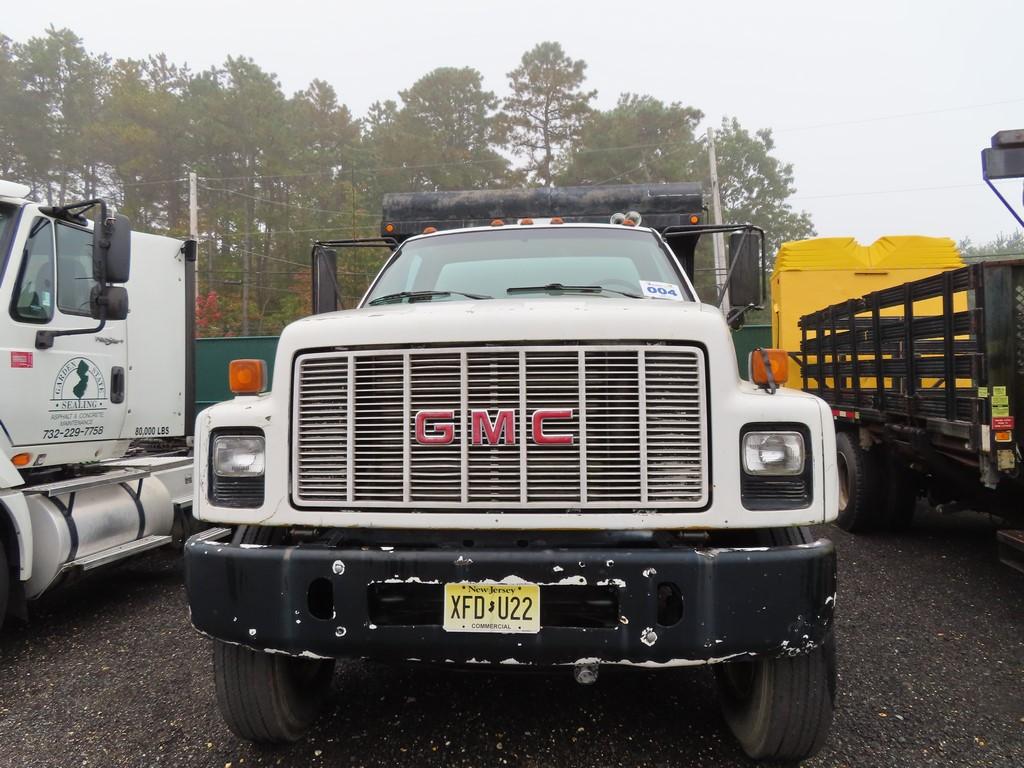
264, 697
269, 698
780, 709
5, 583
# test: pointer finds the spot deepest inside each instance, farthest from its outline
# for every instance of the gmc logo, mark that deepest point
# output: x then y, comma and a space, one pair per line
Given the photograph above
438, 427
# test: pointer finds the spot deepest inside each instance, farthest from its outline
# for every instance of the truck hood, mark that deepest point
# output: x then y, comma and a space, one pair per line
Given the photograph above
564, 318
520, 320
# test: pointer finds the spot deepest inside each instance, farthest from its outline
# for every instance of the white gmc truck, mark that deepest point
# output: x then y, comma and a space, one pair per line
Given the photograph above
529, 445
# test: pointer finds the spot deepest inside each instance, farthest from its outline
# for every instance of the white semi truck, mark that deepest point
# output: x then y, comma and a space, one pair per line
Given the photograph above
95, 400
528, 446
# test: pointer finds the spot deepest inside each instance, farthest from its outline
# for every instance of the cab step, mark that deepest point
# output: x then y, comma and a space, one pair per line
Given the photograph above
114, 554
1011, 548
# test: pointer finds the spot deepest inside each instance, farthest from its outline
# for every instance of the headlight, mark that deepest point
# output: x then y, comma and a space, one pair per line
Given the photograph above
773, 453
238, 456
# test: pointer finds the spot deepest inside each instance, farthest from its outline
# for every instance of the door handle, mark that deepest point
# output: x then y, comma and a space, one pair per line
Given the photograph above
117, 384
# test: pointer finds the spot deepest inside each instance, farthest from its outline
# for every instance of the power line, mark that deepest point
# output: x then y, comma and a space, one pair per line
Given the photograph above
147, 183
640, 167
274, 202
867, 193
897, 116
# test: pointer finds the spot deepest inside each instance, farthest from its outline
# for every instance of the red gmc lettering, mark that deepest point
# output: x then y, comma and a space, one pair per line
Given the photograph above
504, 424
550, 414
438, 427
440, 434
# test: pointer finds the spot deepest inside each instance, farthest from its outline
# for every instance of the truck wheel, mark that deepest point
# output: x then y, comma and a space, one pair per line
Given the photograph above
900, 498
269, 698
780, 709
860, 481
264, 697
5, 583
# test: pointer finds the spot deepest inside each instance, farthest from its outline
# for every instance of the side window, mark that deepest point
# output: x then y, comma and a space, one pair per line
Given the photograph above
74, 269
34, 292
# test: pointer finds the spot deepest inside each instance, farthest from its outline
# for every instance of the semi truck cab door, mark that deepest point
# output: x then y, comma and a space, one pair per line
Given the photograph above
74, 391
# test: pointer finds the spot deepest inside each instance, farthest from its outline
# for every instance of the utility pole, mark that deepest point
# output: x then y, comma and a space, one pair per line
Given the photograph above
717, 239
193, 218
193, 205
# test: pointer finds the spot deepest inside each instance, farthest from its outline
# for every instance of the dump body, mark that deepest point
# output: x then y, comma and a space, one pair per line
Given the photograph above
809, 274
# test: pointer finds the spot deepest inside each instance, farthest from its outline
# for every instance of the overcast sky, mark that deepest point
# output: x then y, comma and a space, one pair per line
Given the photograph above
882, 107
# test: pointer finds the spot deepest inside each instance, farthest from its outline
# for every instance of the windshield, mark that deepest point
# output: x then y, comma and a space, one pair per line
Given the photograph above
519, 261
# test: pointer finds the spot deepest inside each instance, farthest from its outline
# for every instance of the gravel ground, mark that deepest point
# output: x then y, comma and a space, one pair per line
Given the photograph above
931, 665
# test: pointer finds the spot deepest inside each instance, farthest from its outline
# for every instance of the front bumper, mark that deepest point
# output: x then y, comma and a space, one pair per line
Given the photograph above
750, 601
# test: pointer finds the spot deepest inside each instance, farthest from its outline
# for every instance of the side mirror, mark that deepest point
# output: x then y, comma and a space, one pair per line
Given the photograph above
325, 281
112, 249
744, 269
109, 303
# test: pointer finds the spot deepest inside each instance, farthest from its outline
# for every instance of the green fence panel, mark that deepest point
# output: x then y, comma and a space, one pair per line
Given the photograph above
747, 339
213, 356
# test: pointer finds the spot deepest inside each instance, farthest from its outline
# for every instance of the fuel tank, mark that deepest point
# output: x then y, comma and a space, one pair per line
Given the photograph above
82, 522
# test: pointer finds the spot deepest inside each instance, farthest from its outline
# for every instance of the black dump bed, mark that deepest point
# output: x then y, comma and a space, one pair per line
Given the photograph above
661, 205
676, 205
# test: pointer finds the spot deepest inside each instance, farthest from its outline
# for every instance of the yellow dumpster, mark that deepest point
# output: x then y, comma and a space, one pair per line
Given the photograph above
812, 274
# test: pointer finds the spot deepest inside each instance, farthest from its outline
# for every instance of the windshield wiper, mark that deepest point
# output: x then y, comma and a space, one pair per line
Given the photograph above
393, 298
559, 288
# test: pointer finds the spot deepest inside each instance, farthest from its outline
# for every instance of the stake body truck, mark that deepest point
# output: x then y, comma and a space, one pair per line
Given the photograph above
925, 380
94, 399
528, 446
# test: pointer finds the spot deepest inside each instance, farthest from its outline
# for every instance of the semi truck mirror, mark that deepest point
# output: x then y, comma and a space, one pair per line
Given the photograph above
744, 269
112, 249
109, 303
326, 292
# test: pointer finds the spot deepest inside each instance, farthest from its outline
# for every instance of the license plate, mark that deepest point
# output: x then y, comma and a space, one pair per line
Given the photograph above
491, 608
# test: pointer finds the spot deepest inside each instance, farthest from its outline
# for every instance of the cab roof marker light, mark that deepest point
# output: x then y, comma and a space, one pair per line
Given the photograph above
556, 220
525, 222
429, 230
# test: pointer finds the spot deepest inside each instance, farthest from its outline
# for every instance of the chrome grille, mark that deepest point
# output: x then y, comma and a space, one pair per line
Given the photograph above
638, 427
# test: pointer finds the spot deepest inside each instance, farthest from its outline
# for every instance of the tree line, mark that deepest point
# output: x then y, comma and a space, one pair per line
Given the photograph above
276, 171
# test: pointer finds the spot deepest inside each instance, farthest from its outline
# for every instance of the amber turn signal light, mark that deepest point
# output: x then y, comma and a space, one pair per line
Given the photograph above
247, 377
694, 219
21, 459
389, 228
778, 361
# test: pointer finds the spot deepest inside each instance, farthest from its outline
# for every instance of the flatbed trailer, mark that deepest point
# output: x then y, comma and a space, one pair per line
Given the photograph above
924, 380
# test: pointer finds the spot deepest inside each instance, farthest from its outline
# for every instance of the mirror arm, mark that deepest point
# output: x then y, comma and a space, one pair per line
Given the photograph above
44, 339
734, 319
